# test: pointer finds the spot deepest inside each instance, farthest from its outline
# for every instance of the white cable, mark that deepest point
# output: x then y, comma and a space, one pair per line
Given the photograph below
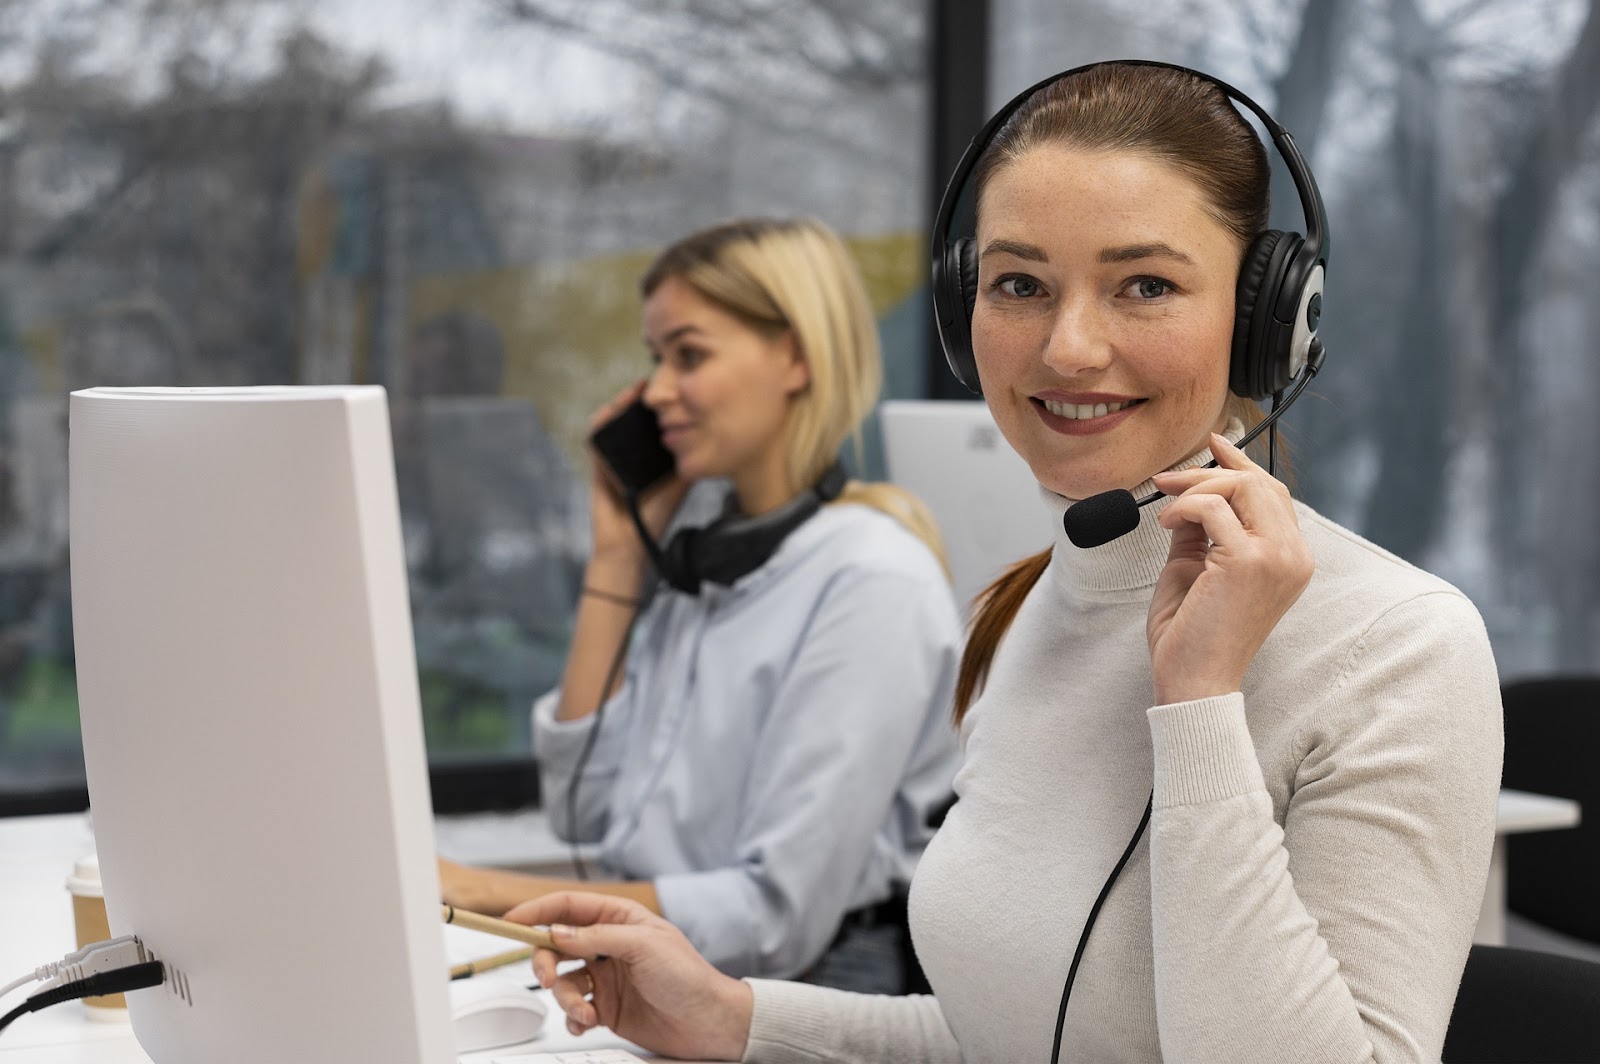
18, 983
80, 963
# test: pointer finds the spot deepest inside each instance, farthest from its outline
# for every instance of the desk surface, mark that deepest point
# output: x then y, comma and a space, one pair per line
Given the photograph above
36, 854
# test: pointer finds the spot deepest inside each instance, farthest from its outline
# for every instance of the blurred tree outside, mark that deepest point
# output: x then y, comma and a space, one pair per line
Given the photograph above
240, 192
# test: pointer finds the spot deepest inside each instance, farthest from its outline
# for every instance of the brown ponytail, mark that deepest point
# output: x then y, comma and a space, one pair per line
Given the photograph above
996, 607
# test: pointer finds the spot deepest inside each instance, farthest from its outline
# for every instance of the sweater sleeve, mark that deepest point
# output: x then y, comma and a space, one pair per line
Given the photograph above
795, 1023
1340, 936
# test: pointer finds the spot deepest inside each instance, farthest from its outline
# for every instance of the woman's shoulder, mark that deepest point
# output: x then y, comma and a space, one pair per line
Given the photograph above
857, 538
1351, 567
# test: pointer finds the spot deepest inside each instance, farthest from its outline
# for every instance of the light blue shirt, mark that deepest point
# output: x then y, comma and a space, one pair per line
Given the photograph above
775, 747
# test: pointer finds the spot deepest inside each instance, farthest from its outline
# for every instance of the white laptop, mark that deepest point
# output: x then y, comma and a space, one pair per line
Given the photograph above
985, 498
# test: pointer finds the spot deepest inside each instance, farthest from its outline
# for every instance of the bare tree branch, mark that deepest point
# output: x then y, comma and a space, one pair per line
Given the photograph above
669, 48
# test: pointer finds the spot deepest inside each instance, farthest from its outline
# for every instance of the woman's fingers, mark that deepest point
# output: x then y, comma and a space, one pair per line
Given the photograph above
544, 967
1229, 456
579, 908
572, 992
1212, 513
617, 403
600, 941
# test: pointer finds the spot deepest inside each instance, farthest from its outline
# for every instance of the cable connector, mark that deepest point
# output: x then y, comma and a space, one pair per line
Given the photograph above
92, 960
117, 981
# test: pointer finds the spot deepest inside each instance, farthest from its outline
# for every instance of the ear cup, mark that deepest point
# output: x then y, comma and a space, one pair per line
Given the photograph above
960, 274
967, 254
679, 560
1260, 344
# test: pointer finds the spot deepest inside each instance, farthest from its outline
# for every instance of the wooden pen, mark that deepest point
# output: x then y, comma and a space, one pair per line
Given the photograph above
533, 936
486, 964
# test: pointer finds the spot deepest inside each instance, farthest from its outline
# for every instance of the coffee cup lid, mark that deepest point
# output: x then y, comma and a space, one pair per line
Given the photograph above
85, 878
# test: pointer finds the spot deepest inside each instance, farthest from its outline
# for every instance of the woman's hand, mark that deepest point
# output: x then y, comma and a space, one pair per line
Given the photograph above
614, 534
1238, 562
641, 978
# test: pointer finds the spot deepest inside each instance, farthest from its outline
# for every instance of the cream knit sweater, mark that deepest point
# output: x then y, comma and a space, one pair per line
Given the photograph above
1311, 877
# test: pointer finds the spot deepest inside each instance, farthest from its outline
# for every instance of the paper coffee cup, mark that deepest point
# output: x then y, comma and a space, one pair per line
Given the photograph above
89, 917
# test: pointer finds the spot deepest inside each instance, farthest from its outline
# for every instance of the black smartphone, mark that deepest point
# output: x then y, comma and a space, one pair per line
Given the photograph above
630, 444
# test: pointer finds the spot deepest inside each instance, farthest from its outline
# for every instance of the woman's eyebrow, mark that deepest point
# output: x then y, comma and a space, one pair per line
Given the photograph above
1031, 252
1133, 252
677, 334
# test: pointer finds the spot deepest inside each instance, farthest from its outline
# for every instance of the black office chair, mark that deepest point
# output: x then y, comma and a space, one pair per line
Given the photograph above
1519, 1006
1552, 740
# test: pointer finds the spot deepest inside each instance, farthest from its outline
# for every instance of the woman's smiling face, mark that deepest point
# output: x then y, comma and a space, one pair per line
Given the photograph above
1104, 316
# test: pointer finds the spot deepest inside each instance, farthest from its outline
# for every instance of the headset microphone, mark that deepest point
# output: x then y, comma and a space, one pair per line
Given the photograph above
1099, 519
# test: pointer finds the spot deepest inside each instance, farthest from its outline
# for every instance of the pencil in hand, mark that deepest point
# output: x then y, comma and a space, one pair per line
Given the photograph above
533, 936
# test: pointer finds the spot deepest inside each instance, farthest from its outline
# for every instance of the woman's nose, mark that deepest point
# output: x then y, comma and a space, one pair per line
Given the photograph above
661, 387
1080, 340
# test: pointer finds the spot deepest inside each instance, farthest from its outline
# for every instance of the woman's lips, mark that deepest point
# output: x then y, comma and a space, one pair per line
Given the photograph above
1086, 426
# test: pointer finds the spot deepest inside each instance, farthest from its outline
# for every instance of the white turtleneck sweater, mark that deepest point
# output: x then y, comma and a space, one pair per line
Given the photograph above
1312, 873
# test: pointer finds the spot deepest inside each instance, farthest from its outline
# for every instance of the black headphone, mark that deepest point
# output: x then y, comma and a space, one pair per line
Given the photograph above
733, 545
1278, 304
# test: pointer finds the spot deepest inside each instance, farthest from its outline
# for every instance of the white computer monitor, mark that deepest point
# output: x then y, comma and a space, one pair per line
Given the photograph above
251, 728
981, 492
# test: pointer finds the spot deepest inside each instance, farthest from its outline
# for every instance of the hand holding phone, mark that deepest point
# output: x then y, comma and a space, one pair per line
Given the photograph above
629, 458
630, 445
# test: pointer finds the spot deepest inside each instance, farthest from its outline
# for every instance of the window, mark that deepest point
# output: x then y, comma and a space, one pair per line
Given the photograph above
454, 201
1454, 144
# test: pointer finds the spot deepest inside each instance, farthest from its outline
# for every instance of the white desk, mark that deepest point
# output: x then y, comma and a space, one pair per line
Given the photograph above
36, 926
1519, 812
37, 852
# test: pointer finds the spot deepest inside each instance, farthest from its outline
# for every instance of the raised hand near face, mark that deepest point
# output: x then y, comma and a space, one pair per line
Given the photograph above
1237, 563
614, 533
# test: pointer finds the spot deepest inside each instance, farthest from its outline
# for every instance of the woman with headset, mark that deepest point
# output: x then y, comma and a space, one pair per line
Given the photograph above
762, 770
1231, 771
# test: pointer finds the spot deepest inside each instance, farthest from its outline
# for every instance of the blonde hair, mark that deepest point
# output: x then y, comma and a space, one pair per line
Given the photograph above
797, 276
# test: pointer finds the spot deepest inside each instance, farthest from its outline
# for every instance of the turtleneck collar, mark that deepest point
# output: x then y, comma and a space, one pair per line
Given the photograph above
1128, 563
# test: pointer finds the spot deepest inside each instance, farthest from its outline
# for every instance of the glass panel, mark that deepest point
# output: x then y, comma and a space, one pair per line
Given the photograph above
454, 201
1454, 144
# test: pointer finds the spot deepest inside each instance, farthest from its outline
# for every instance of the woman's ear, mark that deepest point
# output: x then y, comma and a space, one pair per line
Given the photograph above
797, 373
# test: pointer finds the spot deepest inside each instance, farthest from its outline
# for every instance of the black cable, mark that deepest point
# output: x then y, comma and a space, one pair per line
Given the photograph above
133, 977
589, 741
588, 748
1088, 925
1272, 437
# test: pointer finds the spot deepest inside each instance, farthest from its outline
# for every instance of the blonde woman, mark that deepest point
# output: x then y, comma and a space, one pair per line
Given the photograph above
766, 762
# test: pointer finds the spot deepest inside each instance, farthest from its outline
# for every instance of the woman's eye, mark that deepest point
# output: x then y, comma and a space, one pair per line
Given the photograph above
1018, 287
690, 357
1151, 287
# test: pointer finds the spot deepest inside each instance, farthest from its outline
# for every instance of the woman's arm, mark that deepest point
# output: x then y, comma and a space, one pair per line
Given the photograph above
643, 979
862, 702
495, 890
1341, 936
794, 1023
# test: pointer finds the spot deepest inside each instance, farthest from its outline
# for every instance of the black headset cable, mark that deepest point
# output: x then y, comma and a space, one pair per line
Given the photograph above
1088, 925
578, 870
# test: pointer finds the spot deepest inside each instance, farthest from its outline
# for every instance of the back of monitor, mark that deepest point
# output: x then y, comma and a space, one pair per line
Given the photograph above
980, 491
251, 725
